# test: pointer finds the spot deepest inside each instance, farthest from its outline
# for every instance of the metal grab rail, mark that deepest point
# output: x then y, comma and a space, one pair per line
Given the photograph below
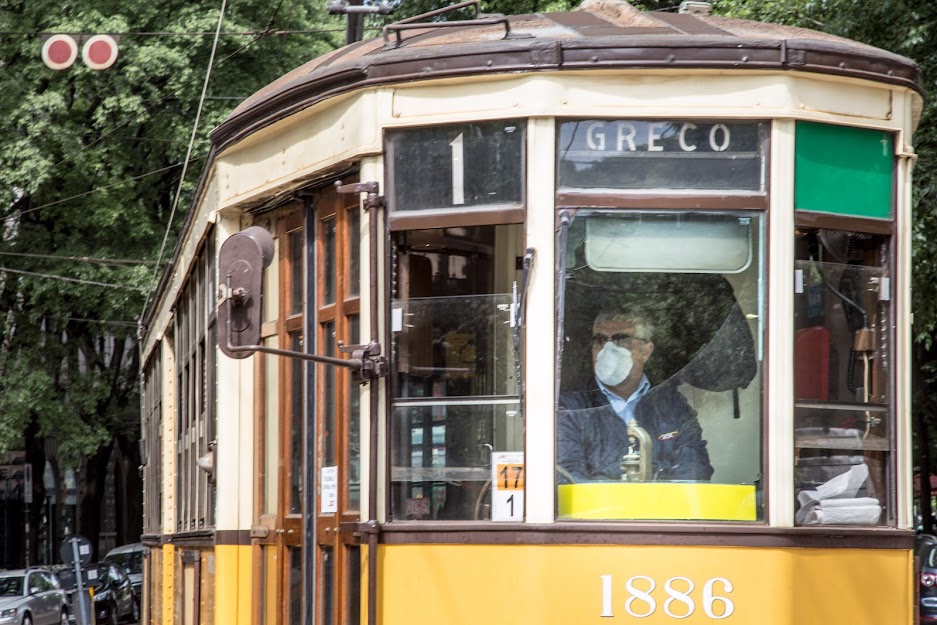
415, 23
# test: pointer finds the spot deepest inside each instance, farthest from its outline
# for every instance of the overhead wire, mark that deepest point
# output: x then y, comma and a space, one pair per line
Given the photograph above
198, 116
82, 259
75, 280
99, 189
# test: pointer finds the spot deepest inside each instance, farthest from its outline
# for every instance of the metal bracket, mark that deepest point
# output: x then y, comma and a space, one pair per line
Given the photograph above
373, 364
373, 199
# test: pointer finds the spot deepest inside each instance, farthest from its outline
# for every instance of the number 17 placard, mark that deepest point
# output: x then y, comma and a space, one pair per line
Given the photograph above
507, 486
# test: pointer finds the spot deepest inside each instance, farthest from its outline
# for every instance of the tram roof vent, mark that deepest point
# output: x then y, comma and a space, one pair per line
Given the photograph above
695, 7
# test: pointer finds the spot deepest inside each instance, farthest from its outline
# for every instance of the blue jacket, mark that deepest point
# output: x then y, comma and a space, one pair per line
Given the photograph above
591, 438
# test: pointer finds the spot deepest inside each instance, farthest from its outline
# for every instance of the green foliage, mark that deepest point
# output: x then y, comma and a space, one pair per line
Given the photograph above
89, 169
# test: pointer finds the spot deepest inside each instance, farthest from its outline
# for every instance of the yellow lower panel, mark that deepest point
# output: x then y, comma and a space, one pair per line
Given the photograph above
169, 576
651, 585
657, 500
233, 584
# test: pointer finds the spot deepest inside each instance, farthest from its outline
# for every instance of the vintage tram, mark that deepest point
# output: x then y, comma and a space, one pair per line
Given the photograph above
587, 317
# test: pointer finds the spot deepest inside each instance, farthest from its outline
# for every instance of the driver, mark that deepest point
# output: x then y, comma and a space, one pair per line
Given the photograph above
592, 424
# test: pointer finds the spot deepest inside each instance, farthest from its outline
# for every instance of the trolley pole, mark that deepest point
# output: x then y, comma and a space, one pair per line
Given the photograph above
356, 10
354, 28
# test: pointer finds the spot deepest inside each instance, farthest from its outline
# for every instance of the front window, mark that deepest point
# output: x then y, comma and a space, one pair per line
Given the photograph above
455, 389
660, 366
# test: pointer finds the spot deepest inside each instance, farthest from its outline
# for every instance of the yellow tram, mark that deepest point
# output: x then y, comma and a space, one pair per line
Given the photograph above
589, 317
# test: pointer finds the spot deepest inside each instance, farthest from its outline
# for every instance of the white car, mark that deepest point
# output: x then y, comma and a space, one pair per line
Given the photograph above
31, 597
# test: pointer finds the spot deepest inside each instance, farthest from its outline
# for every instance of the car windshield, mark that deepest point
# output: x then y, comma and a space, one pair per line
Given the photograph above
11, 586
928, 555
132, 561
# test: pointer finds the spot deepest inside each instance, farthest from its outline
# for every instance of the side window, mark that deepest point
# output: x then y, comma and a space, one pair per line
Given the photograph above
842, 349
844, 187
455, 405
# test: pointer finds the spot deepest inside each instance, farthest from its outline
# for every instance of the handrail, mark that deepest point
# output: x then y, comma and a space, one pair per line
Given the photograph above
414, 23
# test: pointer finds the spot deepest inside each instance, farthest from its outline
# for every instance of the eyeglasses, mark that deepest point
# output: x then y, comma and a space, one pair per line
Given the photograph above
621, 340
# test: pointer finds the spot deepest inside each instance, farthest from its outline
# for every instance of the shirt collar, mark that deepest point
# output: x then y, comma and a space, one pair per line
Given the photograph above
643, 386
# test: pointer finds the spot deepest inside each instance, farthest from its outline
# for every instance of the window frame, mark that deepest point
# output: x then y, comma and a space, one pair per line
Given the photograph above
195, 390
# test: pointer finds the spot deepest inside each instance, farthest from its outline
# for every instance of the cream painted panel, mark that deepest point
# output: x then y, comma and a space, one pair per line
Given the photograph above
666, 94
372, 168
540, 335
779, 400
842, 98
168, 446
234, 454
316, 139
479, 97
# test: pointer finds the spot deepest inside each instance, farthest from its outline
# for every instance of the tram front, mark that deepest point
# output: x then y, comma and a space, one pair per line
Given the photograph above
641, 281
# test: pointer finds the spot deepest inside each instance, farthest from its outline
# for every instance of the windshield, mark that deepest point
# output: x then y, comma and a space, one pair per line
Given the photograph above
660, 363
132, 561
11, 586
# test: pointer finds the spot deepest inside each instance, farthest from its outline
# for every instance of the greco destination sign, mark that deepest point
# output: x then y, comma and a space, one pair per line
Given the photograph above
661, 154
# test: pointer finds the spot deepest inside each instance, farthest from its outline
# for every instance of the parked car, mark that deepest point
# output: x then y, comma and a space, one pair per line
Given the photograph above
32, 597
131, 558
65, 574
114, 597
925, 548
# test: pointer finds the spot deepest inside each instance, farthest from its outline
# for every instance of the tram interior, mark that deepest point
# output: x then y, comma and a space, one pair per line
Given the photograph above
455, 390
841, 350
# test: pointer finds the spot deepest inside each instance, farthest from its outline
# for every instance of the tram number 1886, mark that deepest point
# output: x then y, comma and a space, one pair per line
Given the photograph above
682, 598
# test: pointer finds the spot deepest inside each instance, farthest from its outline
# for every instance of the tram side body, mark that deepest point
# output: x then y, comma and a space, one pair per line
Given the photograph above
538, 572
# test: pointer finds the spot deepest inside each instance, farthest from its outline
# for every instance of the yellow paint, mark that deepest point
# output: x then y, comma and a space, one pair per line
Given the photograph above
364, 583
169, 575
657, 500
233, 584
564, 585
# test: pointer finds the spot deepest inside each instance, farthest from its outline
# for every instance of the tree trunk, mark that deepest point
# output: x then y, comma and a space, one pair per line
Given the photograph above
89, 516
129, 487
36, 457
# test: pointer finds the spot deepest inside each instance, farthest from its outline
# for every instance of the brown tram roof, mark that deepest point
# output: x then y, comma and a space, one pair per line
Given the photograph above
600, 34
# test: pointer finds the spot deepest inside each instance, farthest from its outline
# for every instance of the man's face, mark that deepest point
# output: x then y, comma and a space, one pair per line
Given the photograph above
625, 334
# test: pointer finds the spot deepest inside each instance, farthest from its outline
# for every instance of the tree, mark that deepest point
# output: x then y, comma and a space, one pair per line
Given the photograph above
90, 167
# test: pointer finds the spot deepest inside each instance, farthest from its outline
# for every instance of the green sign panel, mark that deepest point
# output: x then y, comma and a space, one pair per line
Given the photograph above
842, 170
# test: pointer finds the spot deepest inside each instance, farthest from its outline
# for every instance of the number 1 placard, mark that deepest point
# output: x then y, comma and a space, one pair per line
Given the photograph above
507, 486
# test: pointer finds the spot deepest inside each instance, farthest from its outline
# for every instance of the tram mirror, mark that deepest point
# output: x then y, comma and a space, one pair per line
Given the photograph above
241, 261
696, 243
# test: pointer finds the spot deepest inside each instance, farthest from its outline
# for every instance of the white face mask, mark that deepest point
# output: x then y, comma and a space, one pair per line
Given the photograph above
613, 364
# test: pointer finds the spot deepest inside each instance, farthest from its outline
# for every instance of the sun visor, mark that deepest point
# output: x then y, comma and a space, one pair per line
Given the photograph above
697, 243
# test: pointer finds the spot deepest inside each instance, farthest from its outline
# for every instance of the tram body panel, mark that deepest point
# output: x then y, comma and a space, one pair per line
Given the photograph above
608, 584
672, 93
233, 581
341, 129
332, 132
